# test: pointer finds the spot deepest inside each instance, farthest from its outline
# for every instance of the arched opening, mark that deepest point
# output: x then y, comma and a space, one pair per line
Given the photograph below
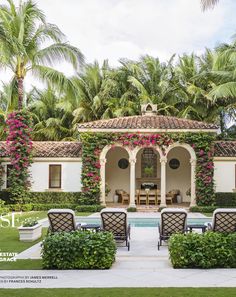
117, 173
183, 176
178, 175
148, 169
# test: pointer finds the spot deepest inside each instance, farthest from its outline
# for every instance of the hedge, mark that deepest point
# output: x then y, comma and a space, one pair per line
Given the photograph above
78, 250
89, 208
205, 209
225, 199
49, 198
207, 250
42, 207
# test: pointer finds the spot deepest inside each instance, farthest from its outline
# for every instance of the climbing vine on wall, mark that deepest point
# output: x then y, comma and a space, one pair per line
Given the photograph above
19, 150
93, 143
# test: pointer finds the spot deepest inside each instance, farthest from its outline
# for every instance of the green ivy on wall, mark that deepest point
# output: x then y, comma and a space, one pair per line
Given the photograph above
93, 143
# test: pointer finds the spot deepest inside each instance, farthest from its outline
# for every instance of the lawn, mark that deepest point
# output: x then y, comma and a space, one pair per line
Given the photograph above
125, 292
39, 215
9, 240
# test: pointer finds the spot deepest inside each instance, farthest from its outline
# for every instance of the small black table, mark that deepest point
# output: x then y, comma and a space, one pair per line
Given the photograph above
95, 227
190, 227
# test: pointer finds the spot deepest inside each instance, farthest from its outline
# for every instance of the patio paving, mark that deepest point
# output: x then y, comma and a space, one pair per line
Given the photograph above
142, 266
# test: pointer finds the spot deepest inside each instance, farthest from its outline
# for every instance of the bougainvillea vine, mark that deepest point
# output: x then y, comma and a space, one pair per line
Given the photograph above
93, 143
19, 150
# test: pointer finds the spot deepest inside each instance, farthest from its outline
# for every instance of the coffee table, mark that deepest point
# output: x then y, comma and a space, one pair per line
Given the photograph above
95, 227
203, 227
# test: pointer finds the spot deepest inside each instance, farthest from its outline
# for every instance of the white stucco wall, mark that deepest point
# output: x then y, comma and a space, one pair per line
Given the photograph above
224, 175
70, 175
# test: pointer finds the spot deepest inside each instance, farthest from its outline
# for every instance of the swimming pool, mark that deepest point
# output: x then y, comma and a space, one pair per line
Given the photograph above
142, 222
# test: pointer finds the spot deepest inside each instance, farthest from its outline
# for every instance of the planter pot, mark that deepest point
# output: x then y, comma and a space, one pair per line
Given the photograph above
115, 198
30, 233
179, 199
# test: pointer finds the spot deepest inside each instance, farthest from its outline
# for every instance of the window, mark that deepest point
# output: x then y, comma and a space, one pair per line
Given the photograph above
149, 163
55, 176
9, 168
123, 163
174, 163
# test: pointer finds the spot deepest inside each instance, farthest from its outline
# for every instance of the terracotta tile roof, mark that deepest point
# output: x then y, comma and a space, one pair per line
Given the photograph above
225, 149
147, 122
53, 149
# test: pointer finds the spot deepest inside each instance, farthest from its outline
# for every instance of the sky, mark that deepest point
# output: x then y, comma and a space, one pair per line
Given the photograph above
114, 29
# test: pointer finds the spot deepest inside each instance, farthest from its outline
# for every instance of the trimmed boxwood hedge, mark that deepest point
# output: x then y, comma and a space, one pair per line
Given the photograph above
78, 250
225, 199
42, 207
207, 250
49, 198
206, 209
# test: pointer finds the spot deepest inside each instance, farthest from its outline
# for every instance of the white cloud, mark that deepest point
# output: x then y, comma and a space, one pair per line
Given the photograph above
114, 29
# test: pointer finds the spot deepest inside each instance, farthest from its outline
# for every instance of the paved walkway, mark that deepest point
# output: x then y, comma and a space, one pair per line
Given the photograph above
142, 266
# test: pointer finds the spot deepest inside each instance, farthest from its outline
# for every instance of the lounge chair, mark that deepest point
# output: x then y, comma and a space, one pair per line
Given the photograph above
173, 220
62, 220
115, 220
223, 220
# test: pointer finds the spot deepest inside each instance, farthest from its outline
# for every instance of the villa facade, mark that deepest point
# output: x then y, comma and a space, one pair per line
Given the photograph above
160, 154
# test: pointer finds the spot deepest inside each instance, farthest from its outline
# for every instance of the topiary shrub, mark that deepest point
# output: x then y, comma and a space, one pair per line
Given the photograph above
207, 250
78, 250
131, 209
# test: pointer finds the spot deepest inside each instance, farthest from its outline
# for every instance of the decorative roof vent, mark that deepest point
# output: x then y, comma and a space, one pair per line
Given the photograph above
149, 109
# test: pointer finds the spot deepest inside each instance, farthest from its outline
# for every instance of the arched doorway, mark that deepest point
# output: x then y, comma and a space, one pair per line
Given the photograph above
180, 171
117, 172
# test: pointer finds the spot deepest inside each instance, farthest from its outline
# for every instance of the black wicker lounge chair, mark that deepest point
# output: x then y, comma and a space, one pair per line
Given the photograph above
62, 220
223, 220
115, 220
173, 220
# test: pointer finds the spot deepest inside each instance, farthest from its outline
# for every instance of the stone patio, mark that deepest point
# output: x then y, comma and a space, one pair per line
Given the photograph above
142, 266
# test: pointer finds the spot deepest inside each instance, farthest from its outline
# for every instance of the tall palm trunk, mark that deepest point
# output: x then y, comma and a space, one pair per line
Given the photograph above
20, 92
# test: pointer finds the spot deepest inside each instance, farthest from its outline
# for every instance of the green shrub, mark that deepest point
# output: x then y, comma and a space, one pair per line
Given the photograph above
40, 207
225, 199
4, 210
55, 197
131, 209
207, 250
78, 250
203, 208
20, 207
50, 198
5, 195
89, 208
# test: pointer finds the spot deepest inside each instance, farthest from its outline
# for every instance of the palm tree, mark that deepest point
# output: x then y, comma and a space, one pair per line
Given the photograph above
50, 122
151, 81
94, 89
23, 31
206, 4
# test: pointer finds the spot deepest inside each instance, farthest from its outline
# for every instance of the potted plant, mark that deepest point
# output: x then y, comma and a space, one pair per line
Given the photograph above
30, 230
188, 192
148, 171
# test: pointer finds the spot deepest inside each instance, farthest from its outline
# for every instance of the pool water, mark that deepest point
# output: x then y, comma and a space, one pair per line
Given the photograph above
143, 222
